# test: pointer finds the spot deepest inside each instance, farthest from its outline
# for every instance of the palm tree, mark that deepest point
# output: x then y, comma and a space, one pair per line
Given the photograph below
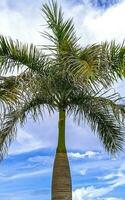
70, 80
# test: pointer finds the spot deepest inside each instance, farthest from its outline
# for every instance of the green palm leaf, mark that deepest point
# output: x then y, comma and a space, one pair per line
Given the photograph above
63, 34
15, 55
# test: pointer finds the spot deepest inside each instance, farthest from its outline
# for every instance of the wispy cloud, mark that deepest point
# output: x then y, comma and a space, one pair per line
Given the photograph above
89, 154
24, 175
92, 192
111, 176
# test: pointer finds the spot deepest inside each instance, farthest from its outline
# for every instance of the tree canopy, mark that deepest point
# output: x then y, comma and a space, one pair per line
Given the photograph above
66, 77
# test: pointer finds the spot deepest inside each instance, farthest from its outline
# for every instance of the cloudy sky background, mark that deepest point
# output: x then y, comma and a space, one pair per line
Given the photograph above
26, 172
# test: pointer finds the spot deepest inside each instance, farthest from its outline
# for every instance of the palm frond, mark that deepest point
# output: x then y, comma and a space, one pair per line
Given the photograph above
15, 55
105, 116
8, 132
33, 107
63, 34
97, 64
89, 65
114, 55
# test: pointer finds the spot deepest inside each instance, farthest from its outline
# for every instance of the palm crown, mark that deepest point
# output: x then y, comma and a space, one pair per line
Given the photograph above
66, 79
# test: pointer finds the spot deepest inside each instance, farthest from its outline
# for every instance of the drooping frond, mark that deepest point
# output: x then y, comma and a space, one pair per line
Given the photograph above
7, 132
33, 107
105, 116
15, 55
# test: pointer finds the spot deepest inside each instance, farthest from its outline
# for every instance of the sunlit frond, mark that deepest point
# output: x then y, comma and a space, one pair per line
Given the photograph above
97, 64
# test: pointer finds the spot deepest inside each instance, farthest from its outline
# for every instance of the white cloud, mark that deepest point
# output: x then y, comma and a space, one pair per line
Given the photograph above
88, 154
90, 193
116, 179
21, 22
83, 172
118, 182
95, 25
92, 23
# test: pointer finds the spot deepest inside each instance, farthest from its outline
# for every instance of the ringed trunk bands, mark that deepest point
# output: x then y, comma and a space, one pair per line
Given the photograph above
61, 179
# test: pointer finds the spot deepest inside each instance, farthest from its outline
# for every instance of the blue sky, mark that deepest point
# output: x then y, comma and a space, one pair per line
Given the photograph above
94, 175
26, 172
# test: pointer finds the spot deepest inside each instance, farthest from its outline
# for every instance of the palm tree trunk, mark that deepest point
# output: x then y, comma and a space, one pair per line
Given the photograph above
61, 180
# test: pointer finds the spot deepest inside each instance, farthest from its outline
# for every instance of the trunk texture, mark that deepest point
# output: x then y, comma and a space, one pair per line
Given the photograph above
61, 180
